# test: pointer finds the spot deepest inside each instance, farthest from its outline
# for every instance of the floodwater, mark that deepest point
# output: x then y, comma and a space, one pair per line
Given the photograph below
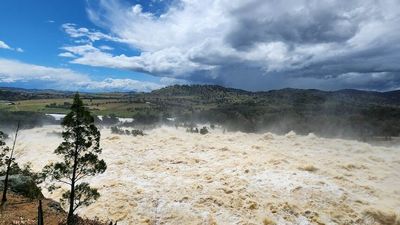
172, 177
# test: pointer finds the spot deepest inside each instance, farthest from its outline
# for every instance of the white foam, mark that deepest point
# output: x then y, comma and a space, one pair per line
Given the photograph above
176, 177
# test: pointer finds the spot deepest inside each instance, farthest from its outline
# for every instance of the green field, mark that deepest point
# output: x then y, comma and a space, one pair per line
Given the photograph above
119, 107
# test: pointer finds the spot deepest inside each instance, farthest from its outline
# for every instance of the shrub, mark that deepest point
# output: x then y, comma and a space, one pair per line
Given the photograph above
204, 130
24, 182
137, 133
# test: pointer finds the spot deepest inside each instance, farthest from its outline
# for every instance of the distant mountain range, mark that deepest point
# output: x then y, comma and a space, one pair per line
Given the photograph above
15, 94
18, 94
215, 92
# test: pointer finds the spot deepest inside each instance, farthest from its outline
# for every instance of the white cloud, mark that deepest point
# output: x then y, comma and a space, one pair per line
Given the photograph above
13, 71
67, 55
168, 81
111, 84
90, 55
3, 45
106, 48
82, 32
163, 62
65, 79
255, 44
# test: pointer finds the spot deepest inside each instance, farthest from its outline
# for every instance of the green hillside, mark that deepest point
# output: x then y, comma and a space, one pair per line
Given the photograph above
344, 112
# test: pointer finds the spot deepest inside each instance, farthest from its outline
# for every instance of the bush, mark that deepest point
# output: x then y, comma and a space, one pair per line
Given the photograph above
8, 120
23, 182
117, 130
204, 130
25, 186
137, 133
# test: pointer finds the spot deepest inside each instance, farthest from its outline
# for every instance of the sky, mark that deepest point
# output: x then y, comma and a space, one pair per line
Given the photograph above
142, 45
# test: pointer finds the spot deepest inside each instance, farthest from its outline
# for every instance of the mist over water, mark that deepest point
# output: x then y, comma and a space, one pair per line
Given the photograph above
175, 177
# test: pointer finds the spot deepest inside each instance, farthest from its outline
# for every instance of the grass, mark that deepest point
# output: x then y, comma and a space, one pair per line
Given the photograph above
118, 107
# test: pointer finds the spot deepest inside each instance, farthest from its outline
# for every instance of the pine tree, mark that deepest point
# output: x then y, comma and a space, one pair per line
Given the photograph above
80, 151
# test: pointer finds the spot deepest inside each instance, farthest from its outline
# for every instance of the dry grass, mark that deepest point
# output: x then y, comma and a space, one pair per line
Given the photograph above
21, 210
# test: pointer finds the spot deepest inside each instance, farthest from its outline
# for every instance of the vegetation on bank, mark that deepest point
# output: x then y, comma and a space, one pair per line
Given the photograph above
80, 152
120, 131
349, 113
27, 119
80, 148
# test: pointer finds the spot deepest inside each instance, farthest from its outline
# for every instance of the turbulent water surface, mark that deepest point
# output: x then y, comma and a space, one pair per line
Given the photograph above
173, 177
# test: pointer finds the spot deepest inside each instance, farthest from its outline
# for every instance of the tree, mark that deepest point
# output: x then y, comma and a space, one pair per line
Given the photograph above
8, 161
80, 151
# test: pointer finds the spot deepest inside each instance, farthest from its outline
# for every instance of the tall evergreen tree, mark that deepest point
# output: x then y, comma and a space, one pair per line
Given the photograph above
80, 151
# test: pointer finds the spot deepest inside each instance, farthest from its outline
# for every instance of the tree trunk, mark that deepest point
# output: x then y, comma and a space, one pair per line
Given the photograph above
71, 219
4, 198
72, 199
40, 213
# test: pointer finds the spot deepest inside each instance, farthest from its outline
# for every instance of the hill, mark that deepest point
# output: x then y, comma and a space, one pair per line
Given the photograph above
18, 94
219, 93
331, 113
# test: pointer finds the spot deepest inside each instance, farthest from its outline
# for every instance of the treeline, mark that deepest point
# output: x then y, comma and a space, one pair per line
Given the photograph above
65, 105
345, 113
339, 121
17, 94
329, 120
120, 131
27, 119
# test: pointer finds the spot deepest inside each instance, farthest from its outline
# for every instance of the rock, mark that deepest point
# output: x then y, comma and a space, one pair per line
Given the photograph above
55, 206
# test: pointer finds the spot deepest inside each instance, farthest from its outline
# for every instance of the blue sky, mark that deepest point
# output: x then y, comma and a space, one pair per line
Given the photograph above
142, 45
33, 34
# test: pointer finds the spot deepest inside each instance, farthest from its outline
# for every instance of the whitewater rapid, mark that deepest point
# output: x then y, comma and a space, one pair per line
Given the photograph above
172, 177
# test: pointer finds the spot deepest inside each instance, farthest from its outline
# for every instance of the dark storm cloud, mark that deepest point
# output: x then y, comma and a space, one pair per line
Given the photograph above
259, 44
308, 23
